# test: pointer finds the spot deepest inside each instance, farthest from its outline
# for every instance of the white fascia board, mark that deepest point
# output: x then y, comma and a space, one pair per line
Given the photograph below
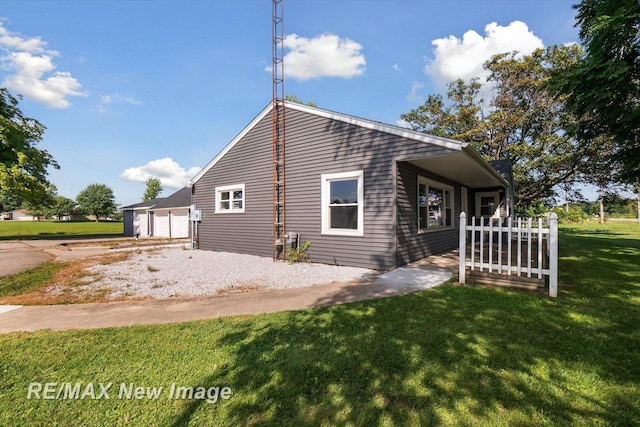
173, 208
142, 208
233, 142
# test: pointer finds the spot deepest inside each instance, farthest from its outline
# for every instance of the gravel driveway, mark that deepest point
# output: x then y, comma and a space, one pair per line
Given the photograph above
178, 272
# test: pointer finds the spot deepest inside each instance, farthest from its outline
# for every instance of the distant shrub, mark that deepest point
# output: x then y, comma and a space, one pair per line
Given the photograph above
574, 214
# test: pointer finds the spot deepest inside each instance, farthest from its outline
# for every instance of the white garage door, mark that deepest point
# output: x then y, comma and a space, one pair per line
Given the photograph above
161, 228
180, 223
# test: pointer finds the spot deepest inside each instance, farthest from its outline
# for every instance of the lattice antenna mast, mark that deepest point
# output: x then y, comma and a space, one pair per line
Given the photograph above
277, 112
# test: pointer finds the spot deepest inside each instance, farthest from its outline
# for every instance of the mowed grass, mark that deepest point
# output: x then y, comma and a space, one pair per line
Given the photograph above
449, 356
12, 230
29, 280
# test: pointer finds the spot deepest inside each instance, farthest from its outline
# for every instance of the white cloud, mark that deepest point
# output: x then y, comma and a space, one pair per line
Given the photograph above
132, 101
326, 55
414, 95
403, 123
20, 43
396, 67
463, 58
107, 101
32, 70
170, 173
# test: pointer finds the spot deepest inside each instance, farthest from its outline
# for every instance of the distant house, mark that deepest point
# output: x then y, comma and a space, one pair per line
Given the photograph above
17, 215
161, 217
363, 193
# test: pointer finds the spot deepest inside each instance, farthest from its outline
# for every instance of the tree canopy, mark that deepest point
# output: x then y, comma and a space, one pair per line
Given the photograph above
23, 166
294, 98
521, 120
61, 206
98, 200
154, 188
603, 87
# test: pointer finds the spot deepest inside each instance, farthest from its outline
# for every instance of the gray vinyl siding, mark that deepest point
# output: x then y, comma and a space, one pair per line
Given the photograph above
314, 146
249, 163
412, 245
128, 222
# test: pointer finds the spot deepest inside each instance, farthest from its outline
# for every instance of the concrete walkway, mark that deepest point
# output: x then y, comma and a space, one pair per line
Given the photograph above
116, 314
20, 255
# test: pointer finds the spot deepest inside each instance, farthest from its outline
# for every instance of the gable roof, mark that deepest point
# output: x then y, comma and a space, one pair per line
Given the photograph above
439, 141
179, 199
141, 205
505, 168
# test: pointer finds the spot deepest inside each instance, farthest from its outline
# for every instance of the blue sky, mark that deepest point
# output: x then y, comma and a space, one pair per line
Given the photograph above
132, 89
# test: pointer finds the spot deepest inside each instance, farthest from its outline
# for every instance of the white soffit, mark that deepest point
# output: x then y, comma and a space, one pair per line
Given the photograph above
462, 168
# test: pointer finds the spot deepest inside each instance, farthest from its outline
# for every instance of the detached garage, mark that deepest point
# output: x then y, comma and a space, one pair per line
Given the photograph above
161, 217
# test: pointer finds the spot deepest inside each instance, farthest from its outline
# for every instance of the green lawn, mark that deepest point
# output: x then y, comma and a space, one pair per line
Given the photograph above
11, 230
453, 355
29, 280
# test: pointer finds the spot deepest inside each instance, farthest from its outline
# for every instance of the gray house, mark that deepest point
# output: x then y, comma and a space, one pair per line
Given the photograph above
364, 193
160, 217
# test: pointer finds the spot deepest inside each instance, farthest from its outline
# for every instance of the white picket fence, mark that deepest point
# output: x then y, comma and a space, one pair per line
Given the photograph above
499, 240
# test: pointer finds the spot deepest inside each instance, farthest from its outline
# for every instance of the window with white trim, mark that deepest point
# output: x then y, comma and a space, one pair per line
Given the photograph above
230, 199
487, 204
434, 205
343, 203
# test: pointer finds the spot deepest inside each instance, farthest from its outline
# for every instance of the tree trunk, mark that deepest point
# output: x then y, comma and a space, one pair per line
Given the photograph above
638, 206
601, 206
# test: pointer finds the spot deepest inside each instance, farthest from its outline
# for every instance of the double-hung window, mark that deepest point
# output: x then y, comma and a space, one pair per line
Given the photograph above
434, 205
343, 203
230, 199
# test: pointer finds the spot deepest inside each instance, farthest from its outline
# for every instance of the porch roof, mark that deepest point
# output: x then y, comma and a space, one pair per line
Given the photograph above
465, 166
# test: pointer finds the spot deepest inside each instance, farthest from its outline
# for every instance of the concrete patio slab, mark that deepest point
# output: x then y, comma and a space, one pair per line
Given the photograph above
410, 278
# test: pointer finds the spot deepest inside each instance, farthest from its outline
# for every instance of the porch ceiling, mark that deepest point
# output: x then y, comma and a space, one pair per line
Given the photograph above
465, 167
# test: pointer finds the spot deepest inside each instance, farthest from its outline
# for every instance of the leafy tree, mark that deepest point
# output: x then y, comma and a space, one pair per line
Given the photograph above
62, 206
23, 167
154, 188
41, 207
522, 121
98, 200
9, 201
603, 88
294, 98
637, 190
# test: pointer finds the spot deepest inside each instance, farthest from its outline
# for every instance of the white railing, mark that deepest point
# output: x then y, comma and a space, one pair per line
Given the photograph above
496, 238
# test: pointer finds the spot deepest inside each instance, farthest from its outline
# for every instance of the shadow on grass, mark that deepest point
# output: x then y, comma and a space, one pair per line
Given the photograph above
415, 359
449, 355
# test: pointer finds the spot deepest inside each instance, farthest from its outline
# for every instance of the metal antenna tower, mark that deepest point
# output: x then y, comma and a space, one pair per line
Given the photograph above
277, 131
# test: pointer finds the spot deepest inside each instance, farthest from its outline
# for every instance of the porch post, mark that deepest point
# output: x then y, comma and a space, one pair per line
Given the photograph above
553, 255
462, 249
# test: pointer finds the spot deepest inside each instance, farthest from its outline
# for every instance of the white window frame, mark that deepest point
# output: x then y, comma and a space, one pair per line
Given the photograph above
230, 189
326, 199
496, 199
448, 203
